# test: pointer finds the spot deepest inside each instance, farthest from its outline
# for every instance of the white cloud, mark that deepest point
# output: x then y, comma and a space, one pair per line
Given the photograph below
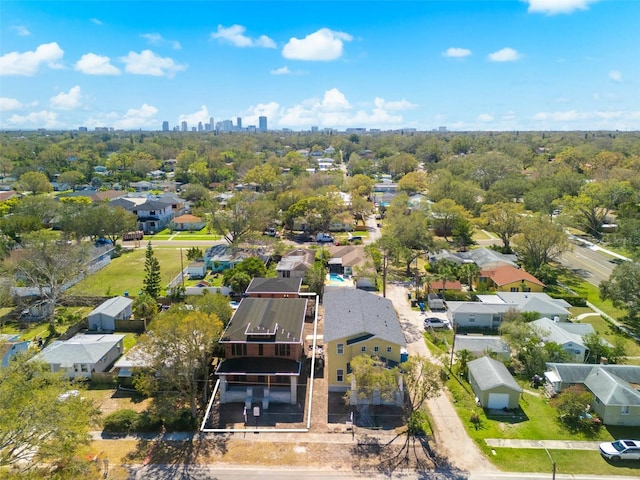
21, 30
92, 64
157, 39
281, 71
136, 118
455, 52
552, 7
42, 119
615, 75
334, 110
270, 110
95, 21
148, 63
484, 118
67, 101
192, 119
505, 55
27, 63
394, 106
324, 45
10, 104
235, 36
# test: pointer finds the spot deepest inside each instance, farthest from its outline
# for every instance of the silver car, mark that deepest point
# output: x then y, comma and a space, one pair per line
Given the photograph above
621, 450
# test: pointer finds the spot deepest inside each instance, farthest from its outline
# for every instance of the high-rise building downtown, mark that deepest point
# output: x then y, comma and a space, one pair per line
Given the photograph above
165, 126
262, 124
239, 123
184, 126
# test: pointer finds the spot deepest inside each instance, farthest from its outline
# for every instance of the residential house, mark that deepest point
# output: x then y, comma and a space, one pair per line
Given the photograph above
355, 323
494, 387
489, 311
82, 354
487, 259
509, 279
567, 335
352, 261
11, 345
221, 257
141, 186
274, 288
264, 351
483, 345
188, 222
153, 216
615, 388
178, 204
295, 263
9, 194
103, 317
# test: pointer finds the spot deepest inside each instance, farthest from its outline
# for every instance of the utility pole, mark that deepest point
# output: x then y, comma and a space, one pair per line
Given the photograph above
553, 462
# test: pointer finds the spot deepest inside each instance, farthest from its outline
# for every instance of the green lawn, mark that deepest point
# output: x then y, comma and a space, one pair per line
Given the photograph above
126, 273
568, 462
537, 420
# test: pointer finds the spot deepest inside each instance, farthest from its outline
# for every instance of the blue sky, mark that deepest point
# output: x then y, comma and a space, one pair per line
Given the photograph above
467, 65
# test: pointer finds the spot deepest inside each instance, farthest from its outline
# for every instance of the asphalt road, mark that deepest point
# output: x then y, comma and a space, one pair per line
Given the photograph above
592, 265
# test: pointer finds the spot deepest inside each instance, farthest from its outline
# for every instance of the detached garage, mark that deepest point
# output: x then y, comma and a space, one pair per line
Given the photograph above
493, 385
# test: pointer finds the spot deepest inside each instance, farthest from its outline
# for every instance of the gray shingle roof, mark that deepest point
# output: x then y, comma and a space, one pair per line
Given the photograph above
349, 311
578, 372
489, 373
563, 332
480, 343
610, 389
112, 307
85, 349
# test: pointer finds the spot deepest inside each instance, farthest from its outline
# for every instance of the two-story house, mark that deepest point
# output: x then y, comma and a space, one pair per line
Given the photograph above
357, 322
153, 215
264, 352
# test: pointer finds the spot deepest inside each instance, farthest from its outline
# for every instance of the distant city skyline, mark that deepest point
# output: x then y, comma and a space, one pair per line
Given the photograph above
384, 65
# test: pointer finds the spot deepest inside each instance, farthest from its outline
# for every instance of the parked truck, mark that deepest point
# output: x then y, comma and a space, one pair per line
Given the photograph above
324, 238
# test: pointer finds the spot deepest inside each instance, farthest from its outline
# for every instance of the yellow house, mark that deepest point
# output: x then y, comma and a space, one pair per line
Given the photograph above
510, 279
358, 322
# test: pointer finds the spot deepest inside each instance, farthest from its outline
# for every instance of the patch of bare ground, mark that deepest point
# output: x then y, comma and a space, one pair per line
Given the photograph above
110, 400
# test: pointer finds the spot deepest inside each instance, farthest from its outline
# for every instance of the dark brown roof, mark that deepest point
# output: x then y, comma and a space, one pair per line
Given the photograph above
259, 366
274, 285
267, 320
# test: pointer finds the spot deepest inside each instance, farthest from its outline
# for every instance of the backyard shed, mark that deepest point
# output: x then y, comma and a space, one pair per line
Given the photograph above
103, 318
493, 385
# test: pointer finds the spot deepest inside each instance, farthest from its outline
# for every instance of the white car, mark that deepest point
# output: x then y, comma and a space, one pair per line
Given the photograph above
621, 450
435, 322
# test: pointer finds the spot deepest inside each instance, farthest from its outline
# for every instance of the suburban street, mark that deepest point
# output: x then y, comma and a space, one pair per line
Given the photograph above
592, 265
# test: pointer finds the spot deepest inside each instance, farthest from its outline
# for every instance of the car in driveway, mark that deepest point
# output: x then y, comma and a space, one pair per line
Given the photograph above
621, 450
435, 322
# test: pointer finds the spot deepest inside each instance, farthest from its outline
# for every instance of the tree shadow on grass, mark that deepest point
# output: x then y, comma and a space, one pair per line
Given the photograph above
401, 455
175, 457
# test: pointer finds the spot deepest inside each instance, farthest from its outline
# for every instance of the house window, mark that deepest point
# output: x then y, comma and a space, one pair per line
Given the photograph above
625, 410
286, 274
472, 319
239, 349
526, 289
363, 348
514, 289
340, 375
376, 349
83, 368
340, 348
388, 349
260, 349
283, 350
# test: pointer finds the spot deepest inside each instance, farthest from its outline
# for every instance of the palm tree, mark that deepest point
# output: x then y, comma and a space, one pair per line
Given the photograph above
468, 272
145, 308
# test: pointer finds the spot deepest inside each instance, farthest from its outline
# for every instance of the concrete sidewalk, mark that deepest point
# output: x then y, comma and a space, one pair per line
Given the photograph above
550, 444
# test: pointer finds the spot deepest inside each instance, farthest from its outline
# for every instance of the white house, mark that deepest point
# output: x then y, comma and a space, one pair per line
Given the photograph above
567, 335
83, 354
103, 317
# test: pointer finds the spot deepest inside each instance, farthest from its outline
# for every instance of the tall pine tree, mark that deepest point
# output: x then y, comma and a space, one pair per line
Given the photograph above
151, 284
